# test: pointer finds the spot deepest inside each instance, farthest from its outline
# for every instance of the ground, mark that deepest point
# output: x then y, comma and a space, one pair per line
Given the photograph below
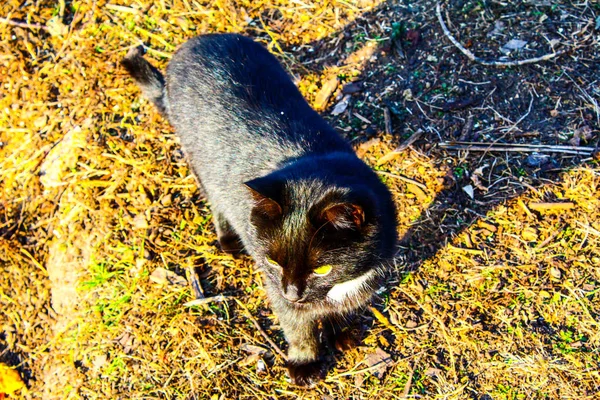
102, 227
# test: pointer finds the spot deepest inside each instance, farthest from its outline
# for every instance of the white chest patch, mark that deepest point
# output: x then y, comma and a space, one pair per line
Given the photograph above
347, 289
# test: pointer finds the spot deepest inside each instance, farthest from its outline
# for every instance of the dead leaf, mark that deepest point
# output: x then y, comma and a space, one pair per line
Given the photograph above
433, 372
165, 277
366, 146
62, 158
249, 360
469, 190
381, 360
498, 28
10, 380
513, 44
419, 194
325, 93
341, 106
585, 133
252, 349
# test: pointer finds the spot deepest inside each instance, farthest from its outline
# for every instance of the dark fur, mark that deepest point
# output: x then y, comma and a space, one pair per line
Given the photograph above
280, 181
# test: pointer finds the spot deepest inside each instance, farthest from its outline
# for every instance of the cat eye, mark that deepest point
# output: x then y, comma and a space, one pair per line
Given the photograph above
323, 270
272, 262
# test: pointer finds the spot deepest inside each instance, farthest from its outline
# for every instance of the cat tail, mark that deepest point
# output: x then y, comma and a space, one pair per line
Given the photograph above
147, 77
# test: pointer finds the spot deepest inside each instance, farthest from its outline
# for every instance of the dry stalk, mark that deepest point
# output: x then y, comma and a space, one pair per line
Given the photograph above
518, 148
551, 206
388, 120
403, 178
20, 24
405, 145
261, 330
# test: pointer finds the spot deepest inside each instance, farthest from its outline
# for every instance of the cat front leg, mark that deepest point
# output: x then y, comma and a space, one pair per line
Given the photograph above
228, 239
338, 332
301, 332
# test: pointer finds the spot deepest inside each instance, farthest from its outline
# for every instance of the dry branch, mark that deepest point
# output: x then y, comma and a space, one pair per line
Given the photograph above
206, 300
403, 178
515, 147
261, 330
388, 120
20, 24
551, 206
474, 58
391, 155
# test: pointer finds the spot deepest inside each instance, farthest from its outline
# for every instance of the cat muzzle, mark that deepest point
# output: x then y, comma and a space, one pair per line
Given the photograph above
292, 294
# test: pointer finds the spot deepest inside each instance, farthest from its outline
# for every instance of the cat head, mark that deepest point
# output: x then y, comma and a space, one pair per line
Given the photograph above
321, 242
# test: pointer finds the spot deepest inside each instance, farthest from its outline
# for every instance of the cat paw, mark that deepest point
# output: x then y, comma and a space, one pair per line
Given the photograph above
344, 341
305, 374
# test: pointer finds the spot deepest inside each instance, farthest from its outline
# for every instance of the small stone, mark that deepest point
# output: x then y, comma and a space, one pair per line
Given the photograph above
139, 222
167, 200
163, 276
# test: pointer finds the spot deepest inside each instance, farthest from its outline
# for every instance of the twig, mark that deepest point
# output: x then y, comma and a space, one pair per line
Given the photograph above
511, 128
534, 146
463, 250
361, 371
474, 58
403, 178
467, 128
195, 284
550, 238
388, 120
260, 329
409, 379
363, 119
520, 148
406, 144
26, 25
589, 228
551, 206
206, 300
587, 97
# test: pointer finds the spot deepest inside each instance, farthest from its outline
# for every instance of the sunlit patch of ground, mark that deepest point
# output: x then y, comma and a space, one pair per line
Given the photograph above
95, 196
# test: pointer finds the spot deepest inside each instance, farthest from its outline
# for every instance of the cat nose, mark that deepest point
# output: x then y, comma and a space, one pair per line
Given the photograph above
292, 293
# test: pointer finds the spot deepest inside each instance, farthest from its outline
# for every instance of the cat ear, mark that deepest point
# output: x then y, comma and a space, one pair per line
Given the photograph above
265, 191
344, 216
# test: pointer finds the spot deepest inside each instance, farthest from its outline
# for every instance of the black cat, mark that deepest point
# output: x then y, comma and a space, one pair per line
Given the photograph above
282, 184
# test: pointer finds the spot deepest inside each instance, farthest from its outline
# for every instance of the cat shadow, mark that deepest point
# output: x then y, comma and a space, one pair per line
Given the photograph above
419, 35
417, 44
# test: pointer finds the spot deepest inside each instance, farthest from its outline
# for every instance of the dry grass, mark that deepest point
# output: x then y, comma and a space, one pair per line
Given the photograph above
95, 195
